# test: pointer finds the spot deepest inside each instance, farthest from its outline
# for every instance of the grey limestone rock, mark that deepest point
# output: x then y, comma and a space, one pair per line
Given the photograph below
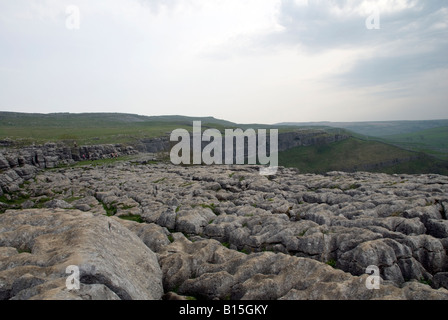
113, 261
209, 270
221, 232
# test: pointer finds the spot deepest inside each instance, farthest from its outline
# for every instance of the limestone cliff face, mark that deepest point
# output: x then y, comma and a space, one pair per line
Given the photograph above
19, 165
286, 141
153, 145
51, 155
305, 138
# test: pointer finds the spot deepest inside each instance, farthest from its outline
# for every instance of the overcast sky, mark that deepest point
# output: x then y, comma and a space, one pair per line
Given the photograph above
246, 61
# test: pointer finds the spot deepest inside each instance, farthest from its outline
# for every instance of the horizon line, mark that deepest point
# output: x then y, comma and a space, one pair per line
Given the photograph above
286, 123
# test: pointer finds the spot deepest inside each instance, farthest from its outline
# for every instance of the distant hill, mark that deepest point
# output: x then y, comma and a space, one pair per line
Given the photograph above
360, 155
94, 119
377, 128
93, 128
102, 128
429, 136
431, 141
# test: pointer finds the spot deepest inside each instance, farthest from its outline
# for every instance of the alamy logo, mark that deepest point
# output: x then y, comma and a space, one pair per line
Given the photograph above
73, 20
235, 151
373, 281
373, 22
72, 281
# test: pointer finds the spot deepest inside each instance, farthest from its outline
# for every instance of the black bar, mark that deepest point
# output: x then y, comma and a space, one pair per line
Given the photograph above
167, 310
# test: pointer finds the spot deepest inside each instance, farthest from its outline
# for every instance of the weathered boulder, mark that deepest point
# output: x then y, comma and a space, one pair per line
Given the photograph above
194, 220
437, 228
440, 280
153, 236
4, 164
10, 181
395, 260
113, 262
53, 204
168, 218
26, 171
429, 252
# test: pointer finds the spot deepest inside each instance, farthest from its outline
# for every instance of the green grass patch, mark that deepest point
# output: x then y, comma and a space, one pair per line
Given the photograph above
23, 250
427, 282
132, 217
125, 207
191, 298
110, 209
187, 184
396, 214
72, 199
40, 203
301, 234
95, 163
211, 207
353, 186
331, 263
14, 201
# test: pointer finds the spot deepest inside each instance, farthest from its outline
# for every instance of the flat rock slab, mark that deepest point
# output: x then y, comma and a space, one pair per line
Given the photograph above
38, 245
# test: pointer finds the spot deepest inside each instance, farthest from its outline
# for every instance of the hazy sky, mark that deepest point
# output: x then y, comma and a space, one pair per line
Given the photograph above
263, 61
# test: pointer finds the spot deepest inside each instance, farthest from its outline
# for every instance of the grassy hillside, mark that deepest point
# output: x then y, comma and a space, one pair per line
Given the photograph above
93, 128
103, 128
359, 155
425, 164
431, 141
429, 136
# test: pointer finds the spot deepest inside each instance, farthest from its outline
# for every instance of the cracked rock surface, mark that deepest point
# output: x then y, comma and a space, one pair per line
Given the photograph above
39, 244
224, 232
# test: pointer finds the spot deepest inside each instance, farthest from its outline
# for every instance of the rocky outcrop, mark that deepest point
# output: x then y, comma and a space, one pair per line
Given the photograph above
153, 145
19, 165
223, 232
304, 138
38, 245
51, 155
